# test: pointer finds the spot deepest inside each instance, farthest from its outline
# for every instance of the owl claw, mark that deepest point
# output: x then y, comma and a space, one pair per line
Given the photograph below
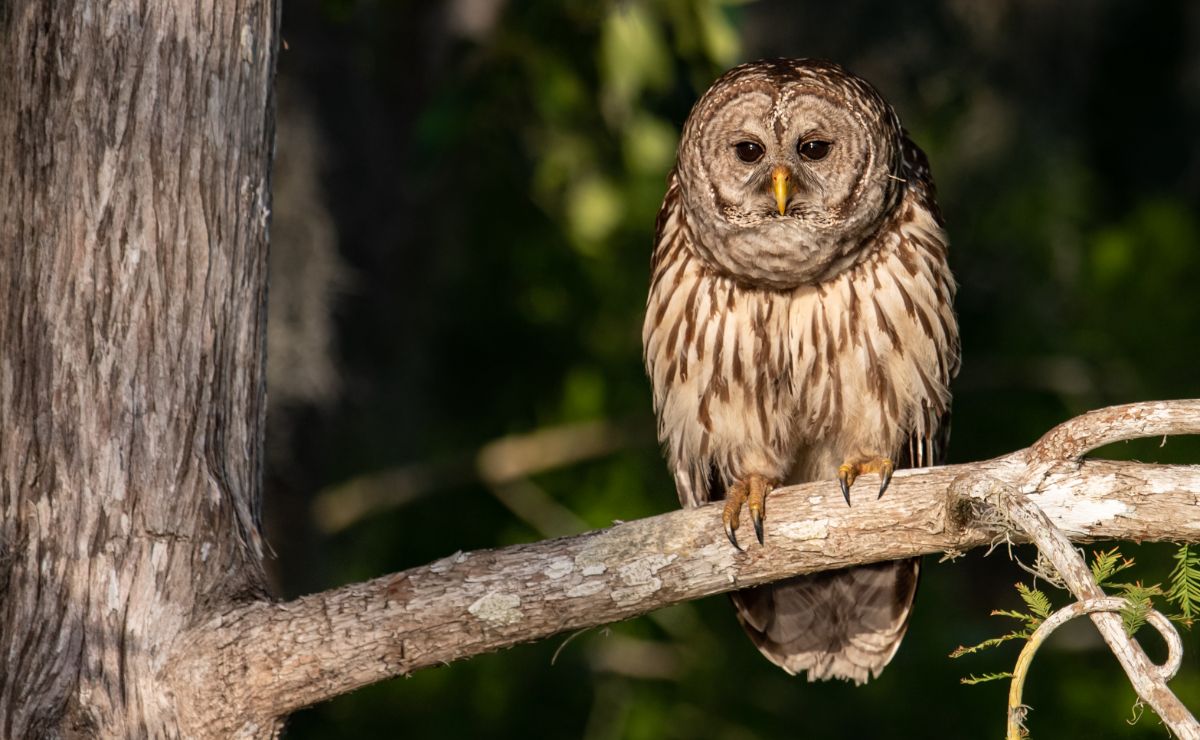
732, 536
851, 469
735, 496
752, 492
846, 475
886, 468
845, 478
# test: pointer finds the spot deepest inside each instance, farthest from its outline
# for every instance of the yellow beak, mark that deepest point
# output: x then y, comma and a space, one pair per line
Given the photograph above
781, 180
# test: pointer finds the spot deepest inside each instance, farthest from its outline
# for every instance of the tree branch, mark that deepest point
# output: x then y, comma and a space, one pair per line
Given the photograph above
1147, 679
1075, 438
290, 655
1113, 604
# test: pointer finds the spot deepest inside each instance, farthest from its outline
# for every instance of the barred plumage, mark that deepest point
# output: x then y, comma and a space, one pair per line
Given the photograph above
837, 340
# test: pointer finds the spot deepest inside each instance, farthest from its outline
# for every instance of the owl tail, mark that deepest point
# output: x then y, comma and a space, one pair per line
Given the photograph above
838, 624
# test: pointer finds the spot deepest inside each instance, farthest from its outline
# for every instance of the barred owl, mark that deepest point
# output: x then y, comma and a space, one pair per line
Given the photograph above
800, 327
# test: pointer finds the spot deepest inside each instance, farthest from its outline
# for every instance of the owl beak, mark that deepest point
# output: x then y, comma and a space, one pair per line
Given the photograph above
781, 183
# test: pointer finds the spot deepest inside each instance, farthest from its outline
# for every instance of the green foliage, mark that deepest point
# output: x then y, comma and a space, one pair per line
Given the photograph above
1184, 591
1036, 601
992, 642
972, 679
1038, 604
1139, 601
1107, 563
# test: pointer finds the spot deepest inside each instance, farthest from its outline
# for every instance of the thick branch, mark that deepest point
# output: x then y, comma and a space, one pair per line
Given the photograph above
135, 148
316, 647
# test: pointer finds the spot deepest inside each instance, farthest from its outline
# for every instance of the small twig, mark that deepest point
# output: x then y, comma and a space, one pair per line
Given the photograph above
565, 642
1167, 671
1041, 569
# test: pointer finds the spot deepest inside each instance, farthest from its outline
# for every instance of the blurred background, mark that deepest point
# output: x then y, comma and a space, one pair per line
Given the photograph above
465, 194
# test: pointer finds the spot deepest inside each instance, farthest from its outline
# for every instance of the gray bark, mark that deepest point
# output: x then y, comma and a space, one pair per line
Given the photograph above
135, 141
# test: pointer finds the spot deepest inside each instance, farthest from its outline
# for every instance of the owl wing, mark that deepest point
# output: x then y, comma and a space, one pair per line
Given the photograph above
697, 481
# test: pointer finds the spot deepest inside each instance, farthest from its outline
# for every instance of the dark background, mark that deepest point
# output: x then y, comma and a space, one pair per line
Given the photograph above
464, 209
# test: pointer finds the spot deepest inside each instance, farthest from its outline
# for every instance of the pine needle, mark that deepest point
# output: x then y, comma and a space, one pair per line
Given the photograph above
1037, 601
1184, 592
1107, 563
972, 679
1140, 600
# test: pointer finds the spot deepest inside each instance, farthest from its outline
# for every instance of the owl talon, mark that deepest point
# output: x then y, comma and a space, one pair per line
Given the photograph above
732, 514
751, 491
851, 469
846, 477
732, 537
886, 468
757, 502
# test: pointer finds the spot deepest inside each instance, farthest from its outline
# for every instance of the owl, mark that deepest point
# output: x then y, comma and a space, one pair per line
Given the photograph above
800, 327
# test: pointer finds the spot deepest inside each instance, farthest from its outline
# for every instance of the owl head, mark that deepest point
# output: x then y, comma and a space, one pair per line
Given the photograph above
787, 168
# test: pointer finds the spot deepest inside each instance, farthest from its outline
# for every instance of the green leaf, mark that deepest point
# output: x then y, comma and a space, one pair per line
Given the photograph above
1184, 591
1012, 614
972, 679
1037, 601
1139, 600
989, 643
1108, 563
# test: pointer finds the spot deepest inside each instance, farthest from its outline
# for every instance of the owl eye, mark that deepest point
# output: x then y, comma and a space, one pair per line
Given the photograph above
814, 149
748, 151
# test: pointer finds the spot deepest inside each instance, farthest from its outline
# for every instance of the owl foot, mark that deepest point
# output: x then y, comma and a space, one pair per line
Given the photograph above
751, 491
855, 467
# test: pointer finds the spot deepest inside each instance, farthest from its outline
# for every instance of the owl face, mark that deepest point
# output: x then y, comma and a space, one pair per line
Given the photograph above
788, 167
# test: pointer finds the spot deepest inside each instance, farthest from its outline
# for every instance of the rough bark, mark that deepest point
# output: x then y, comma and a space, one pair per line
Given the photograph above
135, 141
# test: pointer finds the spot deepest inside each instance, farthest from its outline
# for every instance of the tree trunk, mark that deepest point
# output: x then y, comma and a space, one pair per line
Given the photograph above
135, 144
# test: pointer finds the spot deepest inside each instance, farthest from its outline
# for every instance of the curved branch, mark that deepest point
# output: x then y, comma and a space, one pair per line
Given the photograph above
290, 655
1054, 546
1073, 439
1166, 671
